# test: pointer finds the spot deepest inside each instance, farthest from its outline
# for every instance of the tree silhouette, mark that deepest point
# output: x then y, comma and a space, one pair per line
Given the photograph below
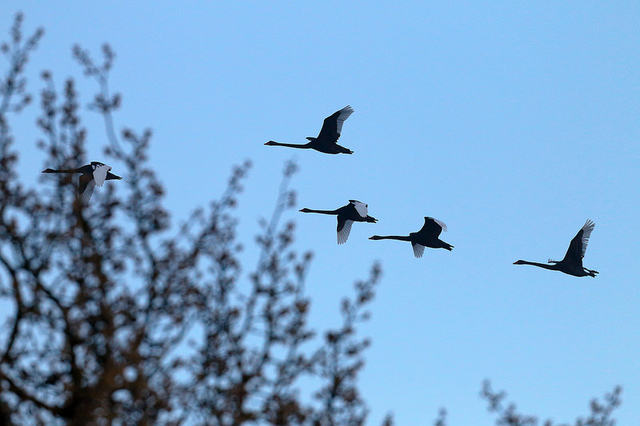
508, 415
112, 314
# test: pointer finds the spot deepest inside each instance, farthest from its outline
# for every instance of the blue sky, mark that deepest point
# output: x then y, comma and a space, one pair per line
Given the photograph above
512, 122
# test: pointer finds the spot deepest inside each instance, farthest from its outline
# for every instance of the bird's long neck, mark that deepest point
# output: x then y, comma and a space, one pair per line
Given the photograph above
290, 145
553, 267
60, 171
391, 237
319, 211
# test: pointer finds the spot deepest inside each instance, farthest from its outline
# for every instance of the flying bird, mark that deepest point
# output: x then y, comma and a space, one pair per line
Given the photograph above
572, 262
328, 137
425, 237
355, 211
93, 175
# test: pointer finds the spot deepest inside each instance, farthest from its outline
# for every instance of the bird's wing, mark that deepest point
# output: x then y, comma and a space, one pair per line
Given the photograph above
360, 207
418, 249
344, 114
578, 245
344, 229
332, 126
85, 188
587, 228
441, 223
433, 227
100, 173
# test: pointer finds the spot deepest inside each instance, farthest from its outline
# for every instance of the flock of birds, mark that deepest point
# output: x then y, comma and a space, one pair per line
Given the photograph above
96, 173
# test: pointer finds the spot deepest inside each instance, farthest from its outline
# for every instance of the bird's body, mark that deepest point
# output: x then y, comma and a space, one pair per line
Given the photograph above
572, 262
427, 236
94, 174
355, 211
326, 141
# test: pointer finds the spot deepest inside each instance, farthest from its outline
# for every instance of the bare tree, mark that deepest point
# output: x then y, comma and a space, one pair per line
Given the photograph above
114, 315
508, 415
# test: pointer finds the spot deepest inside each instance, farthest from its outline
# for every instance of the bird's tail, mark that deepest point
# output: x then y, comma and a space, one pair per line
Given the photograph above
591, 272
446, 246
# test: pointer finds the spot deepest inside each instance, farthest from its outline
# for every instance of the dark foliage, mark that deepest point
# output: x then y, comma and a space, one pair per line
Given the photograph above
508, 415
112, 314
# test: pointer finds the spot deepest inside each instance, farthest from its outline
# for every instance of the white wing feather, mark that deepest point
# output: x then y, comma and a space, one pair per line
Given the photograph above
344, 114
361, 207
587, 228
100, 174
418, 250
441, 223
88, 192
343, 235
